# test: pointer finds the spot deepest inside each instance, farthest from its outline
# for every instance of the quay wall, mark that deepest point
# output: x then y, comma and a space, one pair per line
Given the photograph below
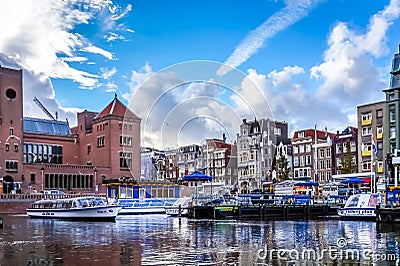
17, 203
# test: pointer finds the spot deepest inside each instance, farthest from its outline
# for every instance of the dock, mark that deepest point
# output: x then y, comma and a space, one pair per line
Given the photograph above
388, 214
264, 212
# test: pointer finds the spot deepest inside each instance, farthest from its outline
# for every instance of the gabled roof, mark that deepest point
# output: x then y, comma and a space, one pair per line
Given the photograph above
116, 108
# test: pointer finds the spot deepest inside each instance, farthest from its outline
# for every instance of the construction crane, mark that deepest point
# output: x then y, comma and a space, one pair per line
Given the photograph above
36, 100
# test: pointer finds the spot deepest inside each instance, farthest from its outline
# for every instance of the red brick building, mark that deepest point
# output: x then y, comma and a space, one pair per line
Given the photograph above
46, 154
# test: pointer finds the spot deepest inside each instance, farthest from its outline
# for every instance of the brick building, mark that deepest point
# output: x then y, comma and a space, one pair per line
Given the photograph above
47, 154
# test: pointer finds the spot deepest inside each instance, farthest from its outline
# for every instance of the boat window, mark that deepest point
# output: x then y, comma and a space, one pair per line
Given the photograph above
99, 202
373, 200
353, 201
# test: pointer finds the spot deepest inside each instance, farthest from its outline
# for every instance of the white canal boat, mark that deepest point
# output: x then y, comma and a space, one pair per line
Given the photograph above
144, 206
78, 208
180, 207
361, 206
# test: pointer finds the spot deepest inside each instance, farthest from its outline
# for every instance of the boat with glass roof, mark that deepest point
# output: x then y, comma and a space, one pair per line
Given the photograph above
78, 208
361, 206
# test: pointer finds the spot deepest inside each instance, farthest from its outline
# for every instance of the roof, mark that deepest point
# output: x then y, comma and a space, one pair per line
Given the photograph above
45, 126
116, 108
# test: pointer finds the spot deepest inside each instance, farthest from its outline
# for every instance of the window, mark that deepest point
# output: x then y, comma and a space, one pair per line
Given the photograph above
392, 132
125, 160
328, 152
353, 146
366, 131
308, 147
379, 113
11, 166
7, 147
295, 149
321, 165
277, 131
301, 134
16, 147
328, 164
321, 153
125, 141
301, 160
295, 161
338, 148
100, 141
33, 179
301, 148
89, 148
308, 160
366, 166
392, 116
38, 153
11, 131
366, 116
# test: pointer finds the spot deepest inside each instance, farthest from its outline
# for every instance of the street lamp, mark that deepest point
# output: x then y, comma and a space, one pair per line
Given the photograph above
95, 180
315, 154
42, 172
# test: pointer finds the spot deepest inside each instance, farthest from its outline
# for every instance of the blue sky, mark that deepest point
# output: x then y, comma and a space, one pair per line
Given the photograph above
306, 62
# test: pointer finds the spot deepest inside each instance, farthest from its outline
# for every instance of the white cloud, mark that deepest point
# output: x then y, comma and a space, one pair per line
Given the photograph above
107, 73
283, 77
41, 37
348, 69
96, 50
287, 16
35, 86
179, 111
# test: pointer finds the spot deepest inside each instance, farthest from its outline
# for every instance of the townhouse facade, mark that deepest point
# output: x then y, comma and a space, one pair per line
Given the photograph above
312, 154
256, 145
372, 138
348, 138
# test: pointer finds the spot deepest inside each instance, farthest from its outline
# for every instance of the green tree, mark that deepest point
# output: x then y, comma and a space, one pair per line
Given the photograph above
282, 167
348, 164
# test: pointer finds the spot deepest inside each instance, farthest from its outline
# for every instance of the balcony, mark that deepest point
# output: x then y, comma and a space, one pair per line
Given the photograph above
380, 170
366, 122
366, 153
379, 135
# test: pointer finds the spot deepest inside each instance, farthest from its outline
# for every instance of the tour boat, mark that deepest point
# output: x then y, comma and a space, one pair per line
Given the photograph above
180, 207
77, 208
144, 206
361, 206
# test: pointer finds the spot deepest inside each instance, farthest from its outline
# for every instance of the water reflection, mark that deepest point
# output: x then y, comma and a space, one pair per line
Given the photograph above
162, 240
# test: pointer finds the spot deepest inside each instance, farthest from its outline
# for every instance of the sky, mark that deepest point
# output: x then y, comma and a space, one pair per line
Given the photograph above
192, 70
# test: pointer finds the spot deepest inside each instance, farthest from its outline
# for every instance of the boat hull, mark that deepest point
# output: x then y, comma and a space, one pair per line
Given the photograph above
141, 210
102, 213
176, 211
357, 213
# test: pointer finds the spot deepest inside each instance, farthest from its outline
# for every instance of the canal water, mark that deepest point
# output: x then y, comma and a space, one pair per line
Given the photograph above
163, 240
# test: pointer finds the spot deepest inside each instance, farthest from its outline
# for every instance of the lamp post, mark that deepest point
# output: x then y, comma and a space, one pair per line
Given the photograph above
95, 180
42, 173
315, 154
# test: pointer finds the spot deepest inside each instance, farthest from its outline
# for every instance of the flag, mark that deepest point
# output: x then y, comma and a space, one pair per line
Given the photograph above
374, 148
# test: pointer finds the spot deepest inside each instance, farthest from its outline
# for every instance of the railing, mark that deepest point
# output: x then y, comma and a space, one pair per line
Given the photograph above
34, 197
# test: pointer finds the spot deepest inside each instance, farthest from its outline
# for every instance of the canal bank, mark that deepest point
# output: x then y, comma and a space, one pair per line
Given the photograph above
264, 212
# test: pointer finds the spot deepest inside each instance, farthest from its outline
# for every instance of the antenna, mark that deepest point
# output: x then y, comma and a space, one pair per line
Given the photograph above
36, 100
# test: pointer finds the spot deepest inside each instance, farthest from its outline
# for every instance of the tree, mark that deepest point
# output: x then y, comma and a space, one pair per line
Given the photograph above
348, 164
282, 167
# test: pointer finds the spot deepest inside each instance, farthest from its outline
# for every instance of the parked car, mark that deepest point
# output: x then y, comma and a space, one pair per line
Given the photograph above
53, 192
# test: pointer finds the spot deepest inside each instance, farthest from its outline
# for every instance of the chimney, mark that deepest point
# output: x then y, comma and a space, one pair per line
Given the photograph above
224, 137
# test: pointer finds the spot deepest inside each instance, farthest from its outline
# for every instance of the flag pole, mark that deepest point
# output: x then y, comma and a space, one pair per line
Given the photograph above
372, 160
